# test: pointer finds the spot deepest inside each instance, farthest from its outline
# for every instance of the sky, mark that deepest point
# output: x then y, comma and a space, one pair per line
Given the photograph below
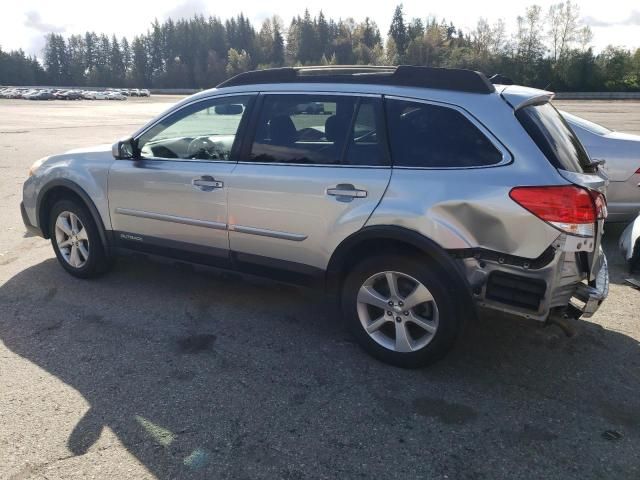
23, 25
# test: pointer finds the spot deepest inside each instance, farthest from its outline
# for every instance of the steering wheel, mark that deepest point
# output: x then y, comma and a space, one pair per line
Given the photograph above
203, 148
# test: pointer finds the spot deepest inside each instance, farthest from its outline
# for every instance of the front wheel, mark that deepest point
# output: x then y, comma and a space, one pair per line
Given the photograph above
76, 241
401, 310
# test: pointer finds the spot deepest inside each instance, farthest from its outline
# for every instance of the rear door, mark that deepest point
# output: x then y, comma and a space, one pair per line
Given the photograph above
314, 169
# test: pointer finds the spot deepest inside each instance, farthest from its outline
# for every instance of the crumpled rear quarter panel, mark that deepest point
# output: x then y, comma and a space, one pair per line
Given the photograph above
465, 209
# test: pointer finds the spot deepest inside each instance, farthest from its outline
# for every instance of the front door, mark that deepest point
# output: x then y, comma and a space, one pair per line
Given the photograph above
173, 200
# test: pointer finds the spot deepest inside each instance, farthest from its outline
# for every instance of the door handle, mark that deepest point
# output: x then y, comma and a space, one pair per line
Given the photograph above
346, 191
206, 183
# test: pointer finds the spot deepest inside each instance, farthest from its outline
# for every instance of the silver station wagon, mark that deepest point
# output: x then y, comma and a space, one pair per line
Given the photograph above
412, 195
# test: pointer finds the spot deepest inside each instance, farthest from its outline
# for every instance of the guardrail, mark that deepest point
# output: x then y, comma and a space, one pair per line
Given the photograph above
174, 91
598, 95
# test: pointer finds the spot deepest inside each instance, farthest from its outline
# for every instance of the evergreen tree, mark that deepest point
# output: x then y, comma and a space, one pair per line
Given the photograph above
307, 40
140, 63
323, 35
398, 32
277, 54
116, 64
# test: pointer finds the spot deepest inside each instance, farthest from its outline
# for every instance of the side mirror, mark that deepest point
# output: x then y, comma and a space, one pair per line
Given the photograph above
124, 149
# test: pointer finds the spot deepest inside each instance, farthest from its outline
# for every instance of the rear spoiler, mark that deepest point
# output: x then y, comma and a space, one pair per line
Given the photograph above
519, 97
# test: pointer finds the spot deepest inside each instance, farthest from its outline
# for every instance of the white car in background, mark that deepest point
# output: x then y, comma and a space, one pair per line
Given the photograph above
630, 244
621, 155
115, 96
89, 95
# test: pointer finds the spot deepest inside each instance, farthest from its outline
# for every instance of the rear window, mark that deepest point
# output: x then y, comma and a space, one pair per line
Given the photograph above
555, 138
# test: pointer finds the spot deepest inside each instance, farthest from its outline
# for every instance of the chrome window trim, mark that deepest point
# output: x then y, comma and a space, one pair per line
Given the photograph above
323, 165
211, 98
341, 93
507, 157
171, 218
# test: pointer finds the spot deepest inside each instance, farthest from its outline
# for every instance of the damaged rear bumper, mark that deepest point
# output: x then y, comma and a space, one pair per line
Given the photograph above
591, 296
556, 281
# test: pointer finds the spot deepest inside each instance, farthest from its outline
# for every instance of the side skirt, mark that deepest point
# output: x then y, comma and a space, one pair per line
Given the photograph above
126, 243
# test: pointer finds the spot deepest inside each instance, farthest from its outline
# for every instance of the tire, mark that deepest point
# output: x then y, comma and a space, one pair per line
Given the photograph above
417, 347
84, 239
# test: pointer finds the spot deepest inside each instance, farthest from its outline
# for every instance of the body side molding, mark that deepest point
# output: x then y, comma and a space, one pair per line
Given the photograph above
171, 218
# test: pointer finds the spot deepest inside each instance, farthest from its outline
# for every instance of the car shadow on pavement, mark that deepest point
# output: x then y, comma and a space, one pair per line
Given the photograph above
208, 375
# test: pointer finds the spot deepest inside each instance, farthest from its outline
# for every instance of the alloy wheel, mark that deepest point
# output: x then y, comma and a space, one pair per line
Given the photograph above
72, 239
397, 311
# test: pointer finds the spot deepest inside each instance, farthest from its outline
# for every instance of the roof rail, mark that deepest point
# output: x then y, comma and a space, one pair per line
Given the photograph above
403, 75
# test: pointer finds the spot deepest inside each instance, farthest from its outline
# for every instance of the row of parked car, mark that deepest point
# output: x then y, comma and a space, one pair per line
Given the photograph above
72, 94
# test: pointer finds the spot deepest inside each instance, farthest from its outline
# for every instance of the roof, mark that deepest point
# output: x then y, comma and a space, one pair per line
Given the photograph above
404, 75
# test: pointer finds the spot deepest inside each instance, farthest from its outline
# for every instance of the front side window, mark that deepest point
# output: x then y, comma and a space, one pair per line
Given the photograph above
203, 131
319, 130
431, 136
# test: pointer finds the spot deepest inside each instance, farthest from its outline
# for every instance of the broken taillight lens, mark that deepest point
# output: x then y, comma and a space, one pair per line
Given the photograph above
571, 209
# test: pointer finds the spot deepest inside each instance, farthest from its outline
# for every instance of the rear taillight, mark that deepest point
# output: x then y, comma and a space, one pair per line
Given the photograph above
571, 209
600, 203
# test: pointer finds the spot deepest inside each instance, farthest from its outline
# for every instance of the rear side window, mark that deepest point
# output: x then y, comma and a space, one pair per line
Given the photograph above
553, 135
320, 130
433, 136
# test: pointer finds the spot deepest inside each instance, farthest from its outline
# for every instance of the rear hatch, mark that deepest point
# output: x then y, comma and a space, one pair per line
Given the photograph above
562, 148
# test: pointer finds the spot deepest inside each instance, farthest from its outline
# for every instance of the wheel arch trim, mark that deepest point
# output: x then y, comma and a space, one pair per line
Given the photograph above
403, 235
79, 191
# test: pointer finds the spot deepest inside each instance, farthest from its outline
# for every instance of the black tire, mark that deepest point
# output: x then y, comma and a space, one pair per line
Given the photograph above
440, 285
98, 262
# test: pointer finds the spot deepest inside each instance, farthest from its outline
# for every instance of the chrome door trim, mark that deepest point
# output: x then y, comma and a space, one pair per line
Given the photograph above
263, 232
171, 218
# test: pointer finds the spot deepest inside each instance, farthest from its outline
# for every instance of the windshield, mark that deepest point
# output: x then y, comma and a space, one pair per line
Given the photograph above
555, 138
586, 124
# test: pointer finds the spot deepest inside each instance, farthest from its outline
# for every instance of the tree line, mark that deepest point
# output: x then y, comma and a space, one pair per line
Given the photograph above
549, 49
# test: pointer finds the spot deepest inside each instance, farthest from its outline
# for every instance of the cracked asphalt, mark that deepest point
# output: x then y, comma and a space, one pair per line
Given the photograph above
159, 370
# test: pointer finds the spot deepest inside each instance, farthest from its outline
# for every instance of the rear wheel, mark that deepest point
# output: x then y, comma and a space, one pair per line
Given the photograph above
76, 241
401, 310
